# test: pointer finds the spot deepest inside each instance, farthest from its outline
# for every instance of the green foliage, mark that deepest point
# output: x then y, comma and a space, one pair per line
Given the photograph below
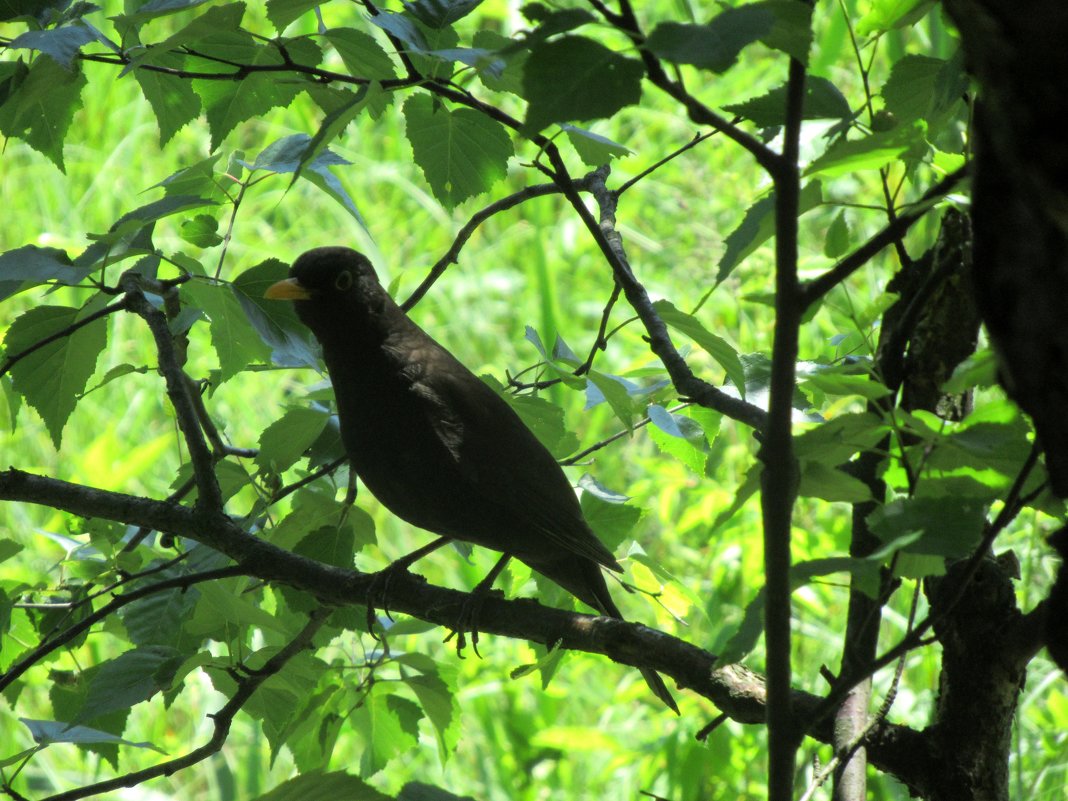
397, 129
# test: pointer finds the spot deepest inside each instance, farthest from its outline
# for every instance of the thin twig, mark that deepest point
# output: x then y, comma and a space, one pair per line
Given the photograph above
209, 495
83, 625
466, 232
247, 684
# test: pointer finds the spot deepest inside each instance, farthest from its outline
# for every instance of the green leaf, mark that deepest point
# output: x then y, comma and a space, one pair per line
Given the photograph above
910, 91
171, 97
439, 13
874, 151
229, 103
820, 480
332, 545
32, 263
235, 341
610, 388
679, 436
544, 418
53, 377
362, 55
462, 153
502, 70
283, 12
202, 231
823, 101
715, 346
841, 438
61, 44
386, 738
838, 238
594, 150
758, 225
129, 679
945, 527
51, 731
714, 46
40, 110
214, 25
886, 15
574, 78
318, 786
611, 522
9, 548
285, 440
290, 341
833, 382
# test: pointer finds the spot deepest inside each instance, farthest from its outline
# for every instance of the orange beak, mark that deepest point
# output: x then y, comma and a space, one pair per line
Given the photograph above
289, 289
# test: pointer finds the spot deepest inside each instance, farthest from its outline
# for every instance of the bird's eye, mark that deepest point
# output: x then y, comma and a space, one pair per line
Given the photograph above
343, 282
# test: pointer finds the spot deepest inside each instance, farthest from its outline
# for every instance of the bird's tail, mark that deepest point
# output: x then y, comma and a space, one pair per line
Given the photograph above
584, 579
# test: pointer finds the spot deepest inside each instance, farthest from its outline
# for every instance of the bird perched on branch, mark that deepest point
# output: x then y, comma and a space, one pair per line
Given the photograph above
436, 445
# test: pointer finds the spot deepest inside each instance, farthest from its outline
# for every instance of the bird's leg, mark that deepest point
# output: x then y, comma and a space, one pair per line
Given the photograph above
468, 620
381, 581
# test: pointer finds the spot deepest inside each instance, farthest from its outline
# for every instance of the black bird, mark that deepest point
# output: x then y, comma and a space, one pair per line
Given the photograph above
433, 443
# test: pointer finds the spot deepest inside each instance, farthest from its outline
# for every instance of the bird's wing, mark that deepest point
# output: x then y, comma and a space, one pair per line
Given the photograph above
477, 427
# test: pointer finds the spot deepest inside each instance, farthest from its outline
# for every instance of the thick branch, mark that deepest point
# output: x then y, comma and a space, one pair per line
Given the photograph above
737, 691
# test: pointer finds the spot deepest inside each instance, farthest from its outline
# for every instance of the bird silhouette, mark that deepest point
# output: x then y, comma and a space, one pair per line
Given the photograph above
436, 445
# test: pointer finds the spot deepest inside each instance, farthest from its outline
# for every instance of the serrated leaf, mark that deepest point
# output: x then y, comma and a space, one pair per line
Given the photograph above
40, 110
173, 101
872, 152
758, 225
61, 44
715, 346
909, 91
594, 150
202, 231
130, 678
691, 451
822, 101
53, 377
574, 78
613, 390
282, 12
208, 27
462, 153
837, 241
235, 341
285, 440
611, 522
229, 103
820, 480
944, 527
292, 345
590, 484
714, 46
362, 55
318, 786
836, 383
331, 545
439, 13
32, 263
52, 731
886, 15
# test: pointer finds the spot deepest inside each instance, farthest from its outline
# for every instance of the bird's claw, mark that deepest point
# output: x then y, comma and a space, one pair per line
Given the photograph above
467, 622
379, 591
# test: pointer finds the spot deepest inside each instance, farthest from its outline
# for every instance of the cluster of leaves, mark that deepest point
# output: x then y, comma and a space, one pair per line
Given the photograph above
474, 102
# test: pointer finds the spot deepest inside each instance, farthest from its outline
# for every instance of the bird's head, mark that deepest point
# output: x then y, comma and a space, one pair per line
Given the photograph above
332, 282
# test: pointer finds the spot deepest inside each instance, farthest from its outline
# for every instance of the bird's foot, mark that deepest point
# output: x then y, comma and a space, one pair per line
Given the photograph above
467, 623
381, 580
378, 594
